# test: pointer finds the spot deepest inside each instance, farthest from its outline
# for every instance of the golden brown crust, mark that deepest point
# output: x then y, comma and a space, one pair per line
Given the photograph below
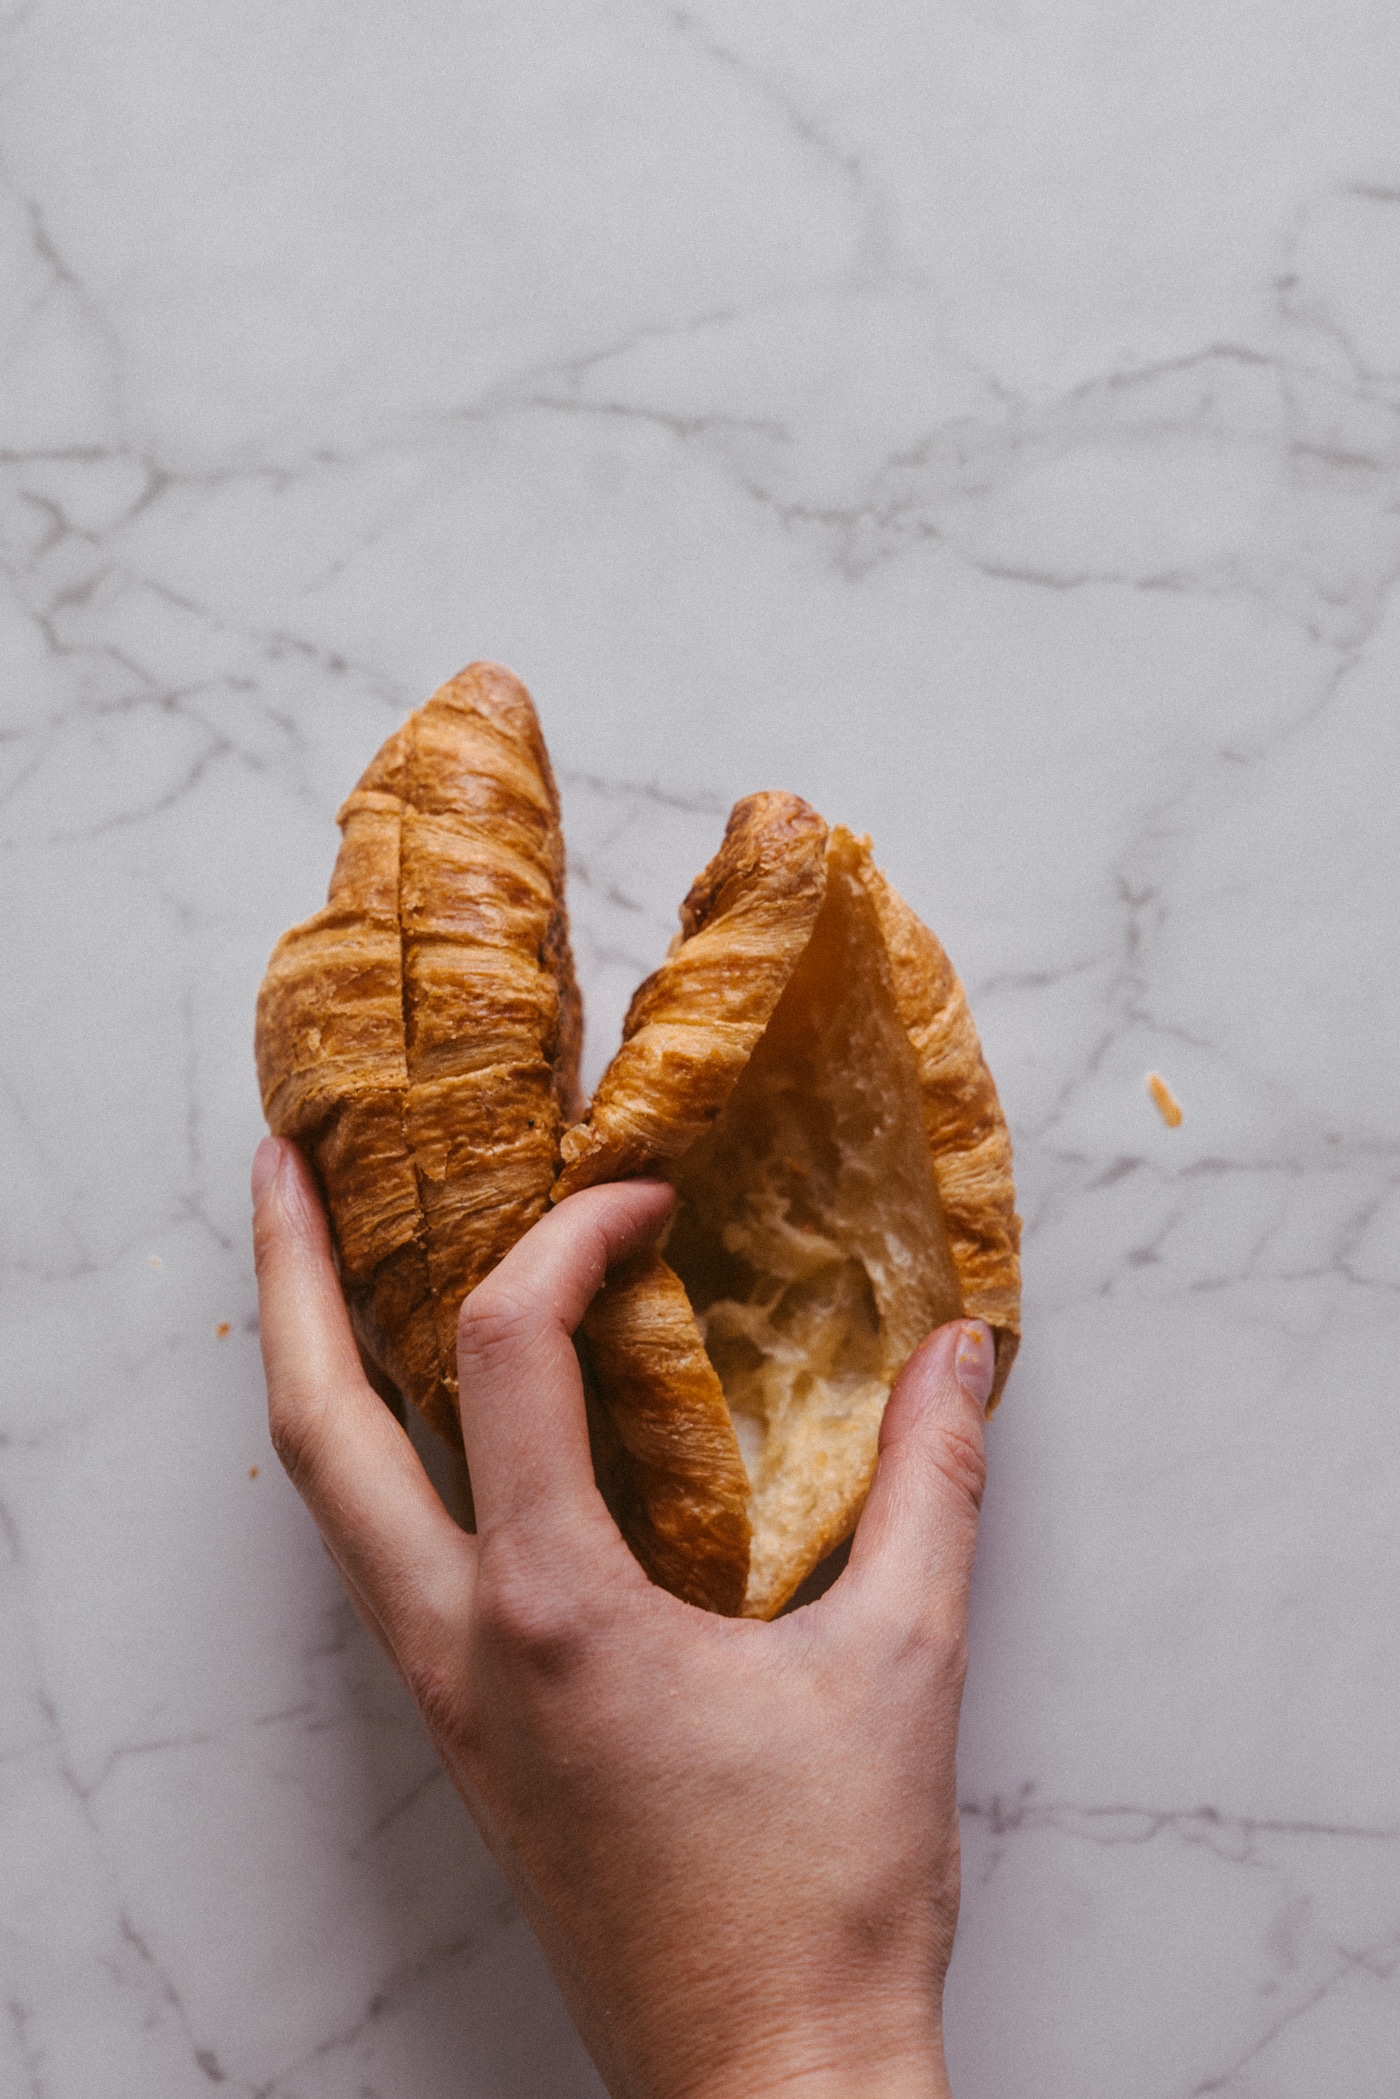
968, 1140
420, 1035
692, 1026
843, 1167
671, 1473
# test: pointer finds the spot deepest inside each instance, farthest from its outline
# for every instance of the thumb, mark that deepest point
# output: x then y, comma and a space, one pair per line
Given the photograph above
914, 1545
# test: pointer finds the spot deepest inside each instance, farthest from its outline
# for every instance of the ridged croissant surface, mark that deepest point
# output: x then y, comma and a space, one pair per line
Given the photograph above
804, 1069
420, 1036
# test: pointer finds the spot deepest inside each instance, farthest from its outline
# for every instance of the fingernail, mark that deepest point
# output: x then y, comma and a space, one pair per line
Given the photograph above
975, 1360
266, 1160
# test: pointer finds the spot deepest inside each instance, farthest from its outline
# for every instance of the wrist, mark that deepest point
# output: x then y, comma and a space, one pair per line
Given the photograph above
867, 2081
814, 2067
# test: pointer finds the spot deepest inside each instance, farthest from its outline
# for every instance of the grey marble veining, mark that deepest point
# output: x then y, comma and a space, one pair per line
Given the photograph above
982, 418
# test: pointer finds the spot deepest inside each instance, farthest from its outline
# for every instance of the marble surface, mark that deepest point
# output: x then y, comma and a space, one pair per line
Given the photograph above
983, 417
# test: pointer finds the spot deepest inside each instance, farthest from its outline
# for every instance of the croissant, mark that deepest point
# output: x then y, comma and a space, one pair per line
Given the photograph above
420, 1036
804, 1069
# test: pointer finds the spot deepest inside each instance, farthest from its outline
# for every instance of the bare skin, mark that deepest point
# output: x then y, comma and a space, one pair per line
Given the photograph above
737, 1842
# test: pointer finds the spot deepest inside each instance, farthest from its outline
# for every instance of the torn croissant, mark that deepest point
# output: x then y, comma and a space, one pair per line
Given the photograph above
420, 1035
804, 1069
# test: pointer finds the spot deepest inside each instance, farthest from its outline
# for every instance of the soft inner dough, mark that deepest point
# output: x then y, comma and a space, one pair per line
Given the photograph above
810, 1238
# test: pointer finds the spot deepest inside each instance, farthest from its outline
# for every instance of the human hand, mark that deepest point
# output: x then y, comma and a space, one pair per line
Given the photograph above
737, 1842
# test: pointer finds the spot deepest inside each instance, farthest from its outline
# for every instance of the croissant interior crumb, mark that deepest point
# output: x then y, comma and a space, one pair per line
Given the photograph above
811, 1241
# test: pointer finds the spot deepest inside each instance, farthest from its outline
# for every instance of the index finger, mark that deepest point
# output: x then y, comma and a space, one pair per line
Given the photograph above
521, 1391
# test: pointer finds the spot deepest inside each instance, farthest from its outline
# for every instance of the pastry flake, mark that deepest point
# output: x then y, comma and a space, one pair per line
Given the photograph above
1164, 1100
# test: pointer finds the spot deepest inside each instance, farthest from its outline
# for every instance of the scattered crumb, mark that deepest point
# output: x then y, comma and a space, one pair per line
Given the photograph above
253, 1471
222, 1330
1168, 1106
153, 1260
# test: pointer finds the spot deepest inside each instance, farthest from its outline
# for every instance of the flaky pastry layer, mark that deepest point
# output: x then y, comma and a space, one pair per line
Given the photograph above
420, 1035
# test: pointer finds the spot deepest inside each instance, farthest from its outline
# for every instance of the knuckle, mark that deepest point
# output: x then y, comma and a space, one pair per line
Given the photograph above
915, 1656
532, 1626
946, 1647
933, 1640
493, 1322
292, 1419
959, 1458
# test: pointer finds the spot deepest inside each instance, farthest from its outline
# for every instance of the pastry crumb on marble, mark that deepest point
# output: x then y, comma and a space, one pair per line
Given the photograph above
1166, 1102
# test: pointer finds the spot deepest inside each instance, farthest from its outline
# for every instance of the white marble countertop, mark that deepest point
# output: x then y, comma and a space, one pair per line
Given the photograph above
982, 417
